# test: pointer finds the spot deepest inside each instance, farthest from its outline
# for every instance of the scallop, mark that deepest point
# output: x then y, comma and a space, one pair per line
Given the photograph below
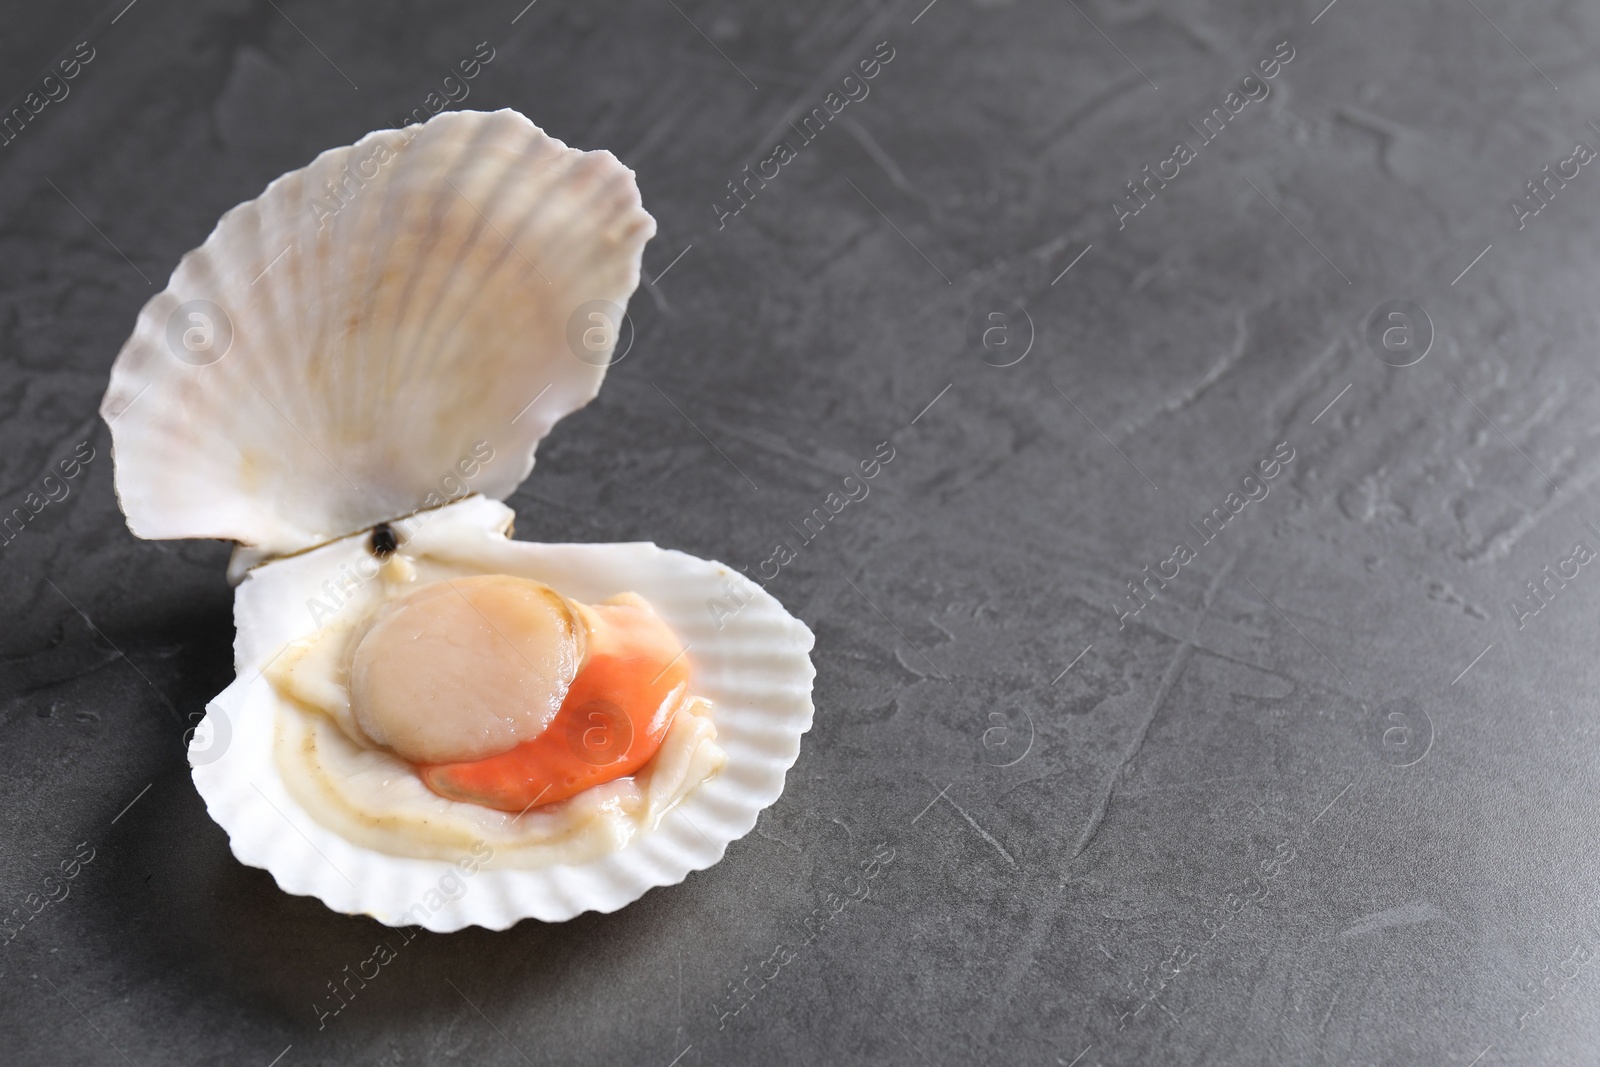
433, 723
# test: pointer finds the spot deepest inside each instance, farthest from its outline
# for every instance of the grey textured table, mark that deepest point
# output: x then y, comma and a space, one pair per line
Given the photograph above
1325, 798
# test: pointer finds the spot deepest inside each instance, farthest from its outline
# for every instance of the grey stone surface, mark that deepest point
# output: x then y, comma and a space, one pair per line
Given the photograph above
1323, 801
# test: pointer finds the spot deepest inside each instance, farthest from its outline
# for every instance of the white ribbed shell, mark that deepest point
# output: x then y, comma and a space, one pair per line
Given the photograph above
377, 336
754, 668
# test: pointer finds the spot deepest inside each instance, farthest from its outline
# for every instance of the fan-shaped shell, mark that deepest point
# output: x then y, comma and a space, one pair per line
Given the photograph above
339, 348
751, 663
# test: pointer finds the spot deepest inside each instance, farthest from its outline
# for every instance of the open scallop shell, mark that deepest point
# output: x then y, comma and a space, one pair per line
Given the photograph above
326, 361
